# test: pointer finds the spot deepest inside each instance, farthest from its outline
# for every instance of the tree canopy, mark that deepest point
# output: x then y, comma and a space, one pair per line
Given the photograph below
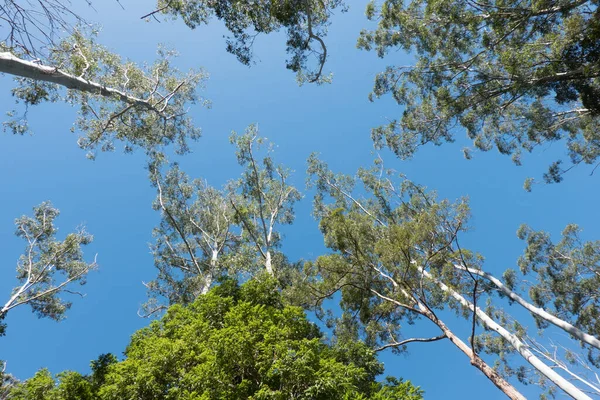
514, 75
235, 342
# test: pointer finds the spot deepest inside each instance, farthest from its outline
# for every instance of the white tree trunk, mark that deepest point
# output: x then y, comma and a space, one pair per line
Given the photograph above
540, 312
521, 347
10, 64
268, 263
508, 389
209, 274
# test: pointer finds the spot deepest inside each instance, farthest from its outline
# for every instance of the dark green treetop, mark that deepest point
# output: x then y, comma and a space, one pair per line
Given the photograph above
235, 342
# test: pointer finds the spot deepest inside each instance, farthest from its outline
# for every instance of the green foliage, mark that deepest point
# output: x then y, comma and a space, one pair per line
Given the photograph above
513, 74
37, 388
7, 383
100, 368
236, 342
305, 22
68, 385
378, 241
566, 277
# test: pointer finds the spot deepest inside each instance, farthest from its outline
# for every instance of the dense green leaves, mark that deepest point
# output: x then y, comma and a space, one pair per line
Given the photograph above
67, 385
513, 74
235, 342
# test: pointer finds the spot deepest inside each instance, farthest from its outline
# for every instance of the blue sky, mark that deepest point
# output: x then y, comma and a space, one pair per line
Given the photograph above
112, 195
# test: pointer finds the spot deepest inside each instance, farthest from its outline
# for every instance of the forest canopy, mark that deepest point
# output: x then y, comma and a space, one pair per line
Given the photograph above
246, 295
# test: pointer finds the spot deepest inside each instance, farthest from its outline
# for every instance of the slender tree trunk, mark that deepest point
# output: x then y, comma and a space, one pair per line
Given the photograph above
209, 274
476, 361
540, 312
518, 345
10, 64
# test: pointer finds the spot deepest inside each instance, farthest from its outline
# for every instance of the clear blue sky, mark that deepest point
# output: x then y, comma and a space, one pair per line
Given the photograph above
112, 196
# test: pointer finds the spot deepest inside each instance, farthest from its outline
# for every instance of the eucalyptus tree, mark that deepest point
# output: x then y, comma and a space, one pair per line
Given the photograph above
7, 383
206, 233
197, 240
234, 342
262, 198
397, 259
514, 75
143, 107
49, 268
53, 54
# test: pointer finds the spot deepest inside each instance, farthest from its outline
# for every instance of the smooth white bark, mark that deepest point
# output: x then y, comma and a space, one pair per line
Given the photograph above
268, 263
540, 312
10, 64
518, 345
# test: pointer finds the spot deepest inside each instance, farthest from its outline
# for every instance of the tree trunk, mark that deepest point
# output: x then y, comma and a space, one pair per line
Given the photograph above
541, 313
518, 345
209, 274
268, 263
10, 64
476, 361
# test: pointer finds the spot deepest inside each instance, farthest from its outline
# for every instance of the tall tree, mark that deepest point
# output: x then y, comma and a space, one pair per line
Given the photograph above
143, 107
397, 258
232, 343
48, 268
197, 240
207, 233
515, 75
48, 47
262, 198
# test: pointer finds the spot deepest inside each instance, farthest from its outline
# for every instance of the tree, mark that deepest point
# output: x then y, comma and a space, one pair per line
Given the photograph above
7, 383
118, 100
197, 240
566, 281
397, 258
233, 342
48, 268
262, 198
207, 233
48, 48
305, 22
514, 75
143, 107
